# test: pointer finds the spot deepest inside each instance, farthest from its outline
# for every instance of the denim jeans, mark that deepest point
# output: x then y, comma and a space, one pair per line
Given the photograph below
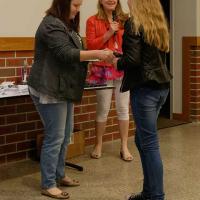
146, 104
57, 119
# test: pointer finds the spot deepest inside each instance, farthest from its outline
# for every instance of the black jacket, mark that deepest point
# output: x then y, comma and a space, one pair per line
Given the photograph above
57, 70
142, 64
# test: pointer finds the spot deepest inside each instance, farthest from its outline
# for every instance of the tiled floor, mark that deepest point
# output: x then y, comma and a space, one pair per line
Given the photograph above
110, 178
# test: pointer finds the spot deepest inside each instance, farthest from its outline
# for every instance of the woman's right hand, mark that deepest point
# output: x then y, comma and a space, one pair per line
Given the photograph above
114, 27
106, 55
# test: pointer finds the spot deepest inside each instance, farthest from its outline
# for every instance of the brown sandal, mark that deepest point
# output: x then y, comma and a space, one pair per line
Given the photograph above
62, 195
69, 183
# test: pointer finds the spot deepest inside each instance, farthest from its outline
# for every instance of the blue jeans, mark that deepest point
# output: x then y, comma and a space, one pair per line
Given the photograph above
146, 104
57, 119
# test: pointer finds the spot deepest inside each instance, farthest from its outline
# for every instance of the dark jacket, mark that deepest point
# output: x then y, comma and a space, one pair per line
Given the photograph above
57, 70
142, 64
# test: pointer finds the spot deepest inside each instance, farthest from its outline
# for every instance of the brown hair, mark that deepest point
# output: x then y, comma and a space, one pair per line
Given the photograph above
61, 10
121, 16
148, 15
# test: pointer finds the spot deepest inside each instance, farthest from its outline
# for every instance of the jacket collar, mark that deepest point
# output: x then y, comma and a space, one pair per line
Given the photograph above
75, 39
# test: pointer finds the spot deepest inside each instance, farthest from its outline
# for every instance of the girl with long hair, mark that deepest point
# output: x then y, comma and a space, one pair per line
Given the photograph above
145, 44
105, 30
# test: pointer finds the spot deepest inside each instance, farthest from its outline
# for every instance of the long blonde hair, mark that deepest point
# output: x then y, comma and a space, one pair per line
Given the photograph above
121, 15
148, 15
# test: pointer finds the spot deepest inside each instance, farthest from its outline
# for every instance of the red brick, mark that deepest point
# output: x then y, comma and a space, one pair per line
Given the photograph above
6, 110
77, 126
195, 60
110, 129
14, 62
7, 54
195, 86
195, 47
7, 129
2, 120
107, 137
15, 138
6, 72
131, 133
39, 125
2, 102
15, 100
30, 61
112, 113
116, 136
195, 53
195, 99
30, 135
89, 141
195, 112
29, 107
77, 109
25, 145
4, 149
2, 140
92, 133
2, 62
195, 105
16, 156
26, 126
194, 80
24, 53
194, 73
89, 108
92, 116
2, 80
85, 100
28, 99
194, 66
195, 92
86, 133
88, 125
2, 159
33, 116
82, 118
92, 100
89, 93
16, 118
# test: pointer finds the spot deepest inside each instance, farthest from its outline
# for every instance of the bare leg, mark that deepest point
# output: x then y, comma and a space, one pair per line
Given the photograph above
123, 129
100, 130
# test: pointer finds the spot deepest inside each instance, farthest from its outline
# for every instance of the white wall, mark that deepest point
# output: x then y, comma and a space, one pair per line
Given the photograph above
184, 23
198, 17
20, 18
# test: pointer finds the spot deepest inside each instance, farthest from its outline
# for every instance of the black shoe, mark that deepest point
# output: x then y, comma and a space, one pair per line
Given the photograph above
136, 197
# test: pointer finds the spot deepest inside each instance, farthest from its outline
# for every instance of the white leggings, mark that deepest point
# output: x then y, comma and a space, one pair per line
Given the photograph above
104, 98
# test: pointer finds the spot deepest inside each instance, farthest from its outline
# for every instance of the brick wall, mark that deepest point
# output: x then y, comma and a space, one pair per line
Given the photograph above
195, 83
20, 123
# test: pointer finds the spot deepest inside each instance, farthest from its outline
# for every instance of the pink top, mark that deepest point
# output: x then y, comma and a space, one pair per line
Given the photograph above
95, 30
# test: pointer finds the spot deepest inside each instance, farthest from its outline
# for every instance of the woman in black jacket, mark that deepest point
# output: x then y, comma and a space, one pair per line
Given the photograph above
56, 81
145, 43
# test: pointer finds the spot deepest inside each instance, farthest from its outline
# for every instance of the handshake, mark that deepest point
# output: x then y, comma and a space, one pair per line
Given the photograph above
108, 56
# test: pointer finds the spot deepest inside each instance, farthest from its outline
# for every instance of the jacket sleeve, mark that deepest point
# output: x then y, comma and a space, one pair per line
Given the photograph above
93, 42
55, 35
131, 47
